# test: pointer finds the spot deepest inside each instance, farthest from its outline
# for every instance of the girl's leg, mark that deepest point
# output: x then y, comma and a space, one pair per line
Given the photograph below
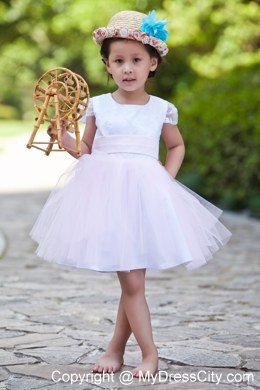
112, 359
122, 330
137, 311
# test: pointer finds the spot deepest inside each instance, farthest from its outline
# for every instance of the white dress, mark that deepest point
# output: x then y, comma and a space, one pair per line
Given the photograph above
118, 208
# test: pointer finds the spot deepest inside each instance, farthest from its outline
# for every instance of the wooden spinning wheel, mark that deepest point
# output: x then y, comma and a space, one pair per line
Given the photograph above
60, 97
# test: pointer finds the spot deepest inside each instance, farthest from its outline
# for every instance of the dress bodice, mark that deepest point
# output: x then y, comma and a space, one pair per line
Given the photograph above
130, 120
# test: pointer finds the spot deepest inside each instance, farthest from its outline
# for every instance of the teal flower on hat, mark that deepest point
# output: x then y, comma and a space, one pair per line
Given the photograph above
154, 27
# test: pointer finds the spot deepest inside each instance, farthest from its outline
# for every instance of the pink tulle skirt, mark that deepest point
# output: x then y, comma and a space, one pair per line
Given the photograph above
108, 213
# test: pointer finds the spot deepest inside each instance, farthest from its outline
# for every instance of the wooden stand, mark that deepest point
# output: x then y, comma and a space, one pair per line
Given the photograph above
58, 95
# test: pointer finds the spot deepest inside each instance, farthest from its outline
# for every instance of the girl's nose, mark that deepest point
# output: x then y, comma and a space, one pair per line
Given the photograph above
127, 68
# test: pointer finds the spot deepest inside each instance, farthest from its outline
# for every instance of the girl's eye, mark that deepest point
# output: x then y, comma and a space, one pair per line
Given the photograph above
119, 61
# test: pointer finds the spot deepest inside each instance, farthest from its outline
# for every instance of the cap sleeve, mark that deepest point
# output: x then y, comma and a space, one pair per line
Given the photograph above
171, 114
89, 112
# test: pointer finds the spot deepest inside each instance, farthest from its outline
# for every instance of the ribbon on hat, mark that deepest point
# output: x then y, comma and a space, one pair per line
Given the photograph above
154, 27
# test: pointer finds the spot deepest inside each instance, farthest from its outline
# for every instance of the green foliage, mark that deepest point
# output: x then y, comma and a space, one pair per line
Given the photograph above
218, 35
254, 205
8, 112
219, 121
62, 36
210, 74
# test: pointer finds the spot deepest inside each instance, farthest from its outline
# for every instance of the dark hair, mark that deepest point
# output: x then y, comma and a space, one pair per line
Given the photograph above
105, 51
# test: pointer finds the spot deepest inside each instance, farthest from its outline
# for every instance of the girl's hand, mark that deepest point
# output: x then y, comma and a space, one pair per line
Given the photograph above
52, 130
171, 176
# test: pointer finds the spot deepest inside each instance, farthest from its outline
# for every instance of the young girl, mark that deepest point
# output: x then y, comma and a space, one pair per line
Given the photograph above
119, 210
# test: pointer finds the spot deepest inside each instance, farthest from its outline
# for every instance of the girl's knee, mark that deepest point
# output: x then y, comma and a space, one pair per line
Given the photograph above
132, 283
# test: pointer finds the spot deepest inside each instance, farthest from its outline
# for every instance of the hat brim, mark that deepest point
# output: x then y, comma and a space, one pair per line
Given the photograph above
100, 34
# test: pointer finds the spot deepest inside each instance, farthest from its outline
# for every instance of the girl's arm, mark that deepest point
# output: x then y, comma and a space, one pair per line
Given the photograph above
175, 148
86, 141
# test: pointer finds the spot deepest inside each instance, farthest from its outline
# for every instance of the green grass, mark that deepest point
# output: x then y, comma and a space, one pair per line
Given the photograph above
11, 128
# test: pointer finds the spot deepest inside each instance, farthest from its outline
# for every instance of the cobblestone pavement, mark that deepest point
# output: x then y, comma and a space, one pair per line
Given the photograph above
59, 318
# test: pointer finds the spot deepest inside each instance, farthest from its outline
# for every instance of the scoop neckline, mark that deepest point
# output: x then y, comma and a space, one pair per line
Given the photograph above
130, 104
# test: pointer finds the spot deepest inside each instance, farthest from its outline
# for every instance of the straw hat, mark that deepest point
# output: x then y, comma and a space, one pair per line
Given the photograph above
137, 26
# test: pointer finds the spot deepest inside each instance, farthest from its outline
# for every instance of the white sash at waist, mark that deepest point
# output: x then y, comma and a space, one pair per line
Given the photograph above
126, 144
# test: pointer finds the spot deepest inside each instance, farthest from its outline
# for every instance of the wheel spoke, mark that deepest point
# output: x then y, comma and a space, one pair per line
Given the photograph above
71, 90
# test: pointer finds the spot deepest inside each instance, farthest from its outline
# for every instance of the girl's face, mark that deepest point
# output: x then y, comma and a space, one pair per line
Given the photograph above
129, 63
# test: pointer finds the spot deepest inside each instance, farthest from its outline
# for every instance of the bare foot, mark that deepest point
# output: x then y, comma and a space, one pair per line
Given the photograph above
109, 362
149, 365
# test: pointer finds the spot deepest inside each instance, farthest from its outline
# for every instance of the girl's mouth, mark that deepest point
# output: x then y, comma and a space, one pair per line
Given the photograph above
128, 80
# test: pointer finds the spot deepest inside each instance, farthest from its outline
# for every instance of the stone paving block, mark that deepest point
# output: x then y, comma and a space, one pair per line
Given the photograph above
256, 382
3, 244
206, 345
7, 358
246, 341
199, 357
27, 340
253, 365
56, 355
3, 374
10, 333
16, 382
251, 354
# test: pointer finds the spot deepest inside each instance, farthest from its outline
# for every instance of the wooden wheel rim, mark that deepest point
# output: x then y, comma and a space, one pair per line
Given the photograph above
65, 84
